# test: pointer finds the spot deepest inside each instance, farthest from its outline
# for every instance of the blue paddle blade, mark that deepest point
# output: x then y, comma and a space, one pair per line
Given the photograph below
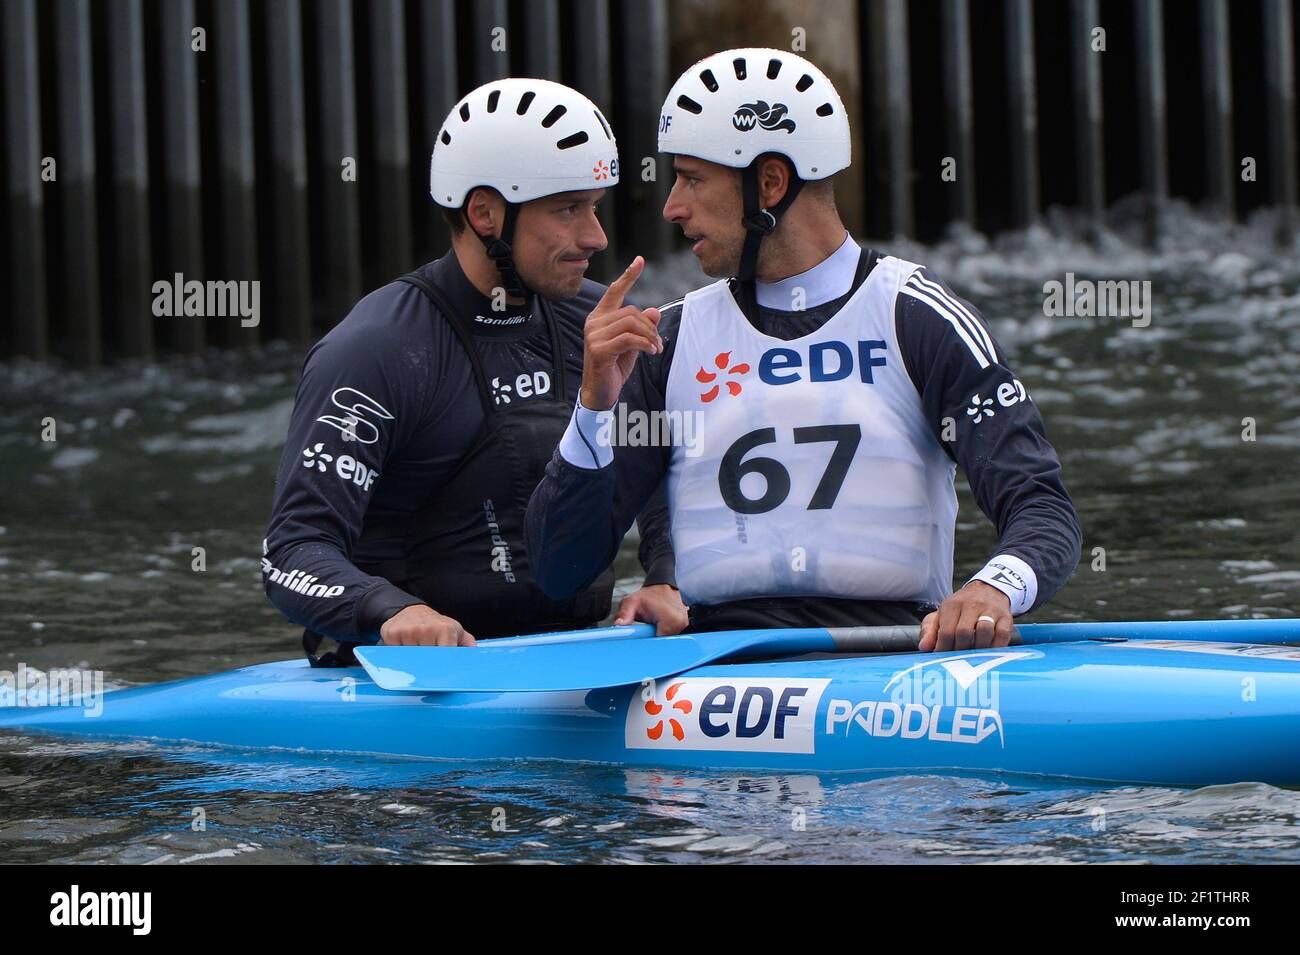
631, 631
617, 656
500, 667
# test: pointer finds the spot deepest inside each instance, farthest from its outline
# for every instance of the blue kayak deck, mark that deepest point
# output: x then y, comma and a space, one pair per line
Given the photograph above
1166, 712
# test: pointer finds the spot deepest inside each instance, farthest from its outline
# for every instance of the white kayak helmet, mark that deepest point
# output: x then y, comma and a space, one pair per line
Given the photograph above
736, 106
526, 139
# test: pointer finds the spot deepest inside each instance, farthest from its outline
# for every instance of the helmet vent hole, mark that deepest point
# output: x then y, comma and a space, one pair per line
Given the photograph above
688, 104
577, 139
446, 138
773, 68
492, 100
825, 109
738, 65
709, 80
603, 125
553, 117
805, 81
525, 101
464, 112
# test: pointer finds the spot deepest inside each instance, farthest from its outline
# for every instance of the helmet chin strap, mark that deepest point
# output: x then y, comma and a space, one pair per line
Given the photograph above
759, 223
502, 255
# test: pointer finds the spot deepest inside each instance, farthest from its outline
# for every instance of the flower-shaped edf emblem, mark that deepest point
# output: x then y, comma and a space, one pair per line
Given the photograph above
979, 409
316, 458
654, 709
721, 361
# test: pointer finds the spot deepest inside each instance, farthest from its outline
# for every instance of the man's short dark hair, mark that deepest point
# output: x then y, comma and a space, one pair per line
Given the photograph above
454, 218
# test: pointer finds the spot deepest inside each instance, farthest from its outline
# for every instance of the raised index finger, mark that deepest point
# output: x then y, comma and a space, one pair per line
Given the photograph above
613, 297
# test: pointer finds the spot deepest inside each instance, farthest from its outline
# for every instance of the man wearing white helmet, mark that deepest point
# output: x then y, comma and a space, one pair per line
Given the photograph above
834, 391
425, 418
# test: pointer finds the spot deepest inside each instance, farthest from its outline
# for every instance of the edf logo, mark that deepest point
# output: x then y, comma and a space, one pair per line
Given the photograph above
665, 122
826, 361
750, 712
760, 716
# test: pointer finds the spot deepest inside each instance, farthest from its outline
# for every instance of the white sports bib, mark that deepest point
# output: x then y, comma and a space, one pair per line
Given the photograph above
817, 474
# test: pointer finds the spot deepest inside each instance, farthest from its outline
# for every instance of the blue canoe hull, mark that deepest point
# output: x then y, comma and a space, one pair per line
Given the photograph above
1163, 712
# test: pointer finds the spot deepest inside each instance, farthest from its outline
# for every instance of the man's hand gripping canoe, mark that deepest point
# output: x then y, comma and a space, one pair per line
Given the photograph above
974, 618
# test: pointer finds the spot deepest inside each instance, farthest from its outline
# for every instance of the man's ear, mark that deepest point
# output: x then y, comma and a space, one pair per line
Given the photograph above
483, 212
773, 180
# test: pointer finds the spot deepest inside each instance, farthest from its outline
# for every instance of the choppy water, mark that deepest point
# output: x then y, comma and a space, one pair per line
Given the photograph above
97, 532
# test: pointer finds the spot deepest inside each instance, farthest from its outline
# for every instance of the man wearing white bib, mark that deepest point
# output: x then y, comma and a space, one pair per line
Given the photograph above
815, 405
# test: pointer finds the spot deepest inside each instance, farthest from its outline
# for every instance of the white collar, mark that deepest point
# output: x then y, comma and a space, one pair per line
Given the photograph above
825, 281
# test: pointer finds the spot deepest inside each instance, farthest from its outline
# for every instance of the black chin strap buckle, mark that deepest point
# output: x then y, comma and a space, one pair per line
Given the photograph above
497, 248
761, 223
502, 257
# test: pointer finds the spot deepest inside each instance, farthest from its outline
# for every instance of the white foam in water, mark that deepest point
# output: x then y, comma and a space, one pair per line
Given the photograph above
67, 459
1248, 565
1277, 577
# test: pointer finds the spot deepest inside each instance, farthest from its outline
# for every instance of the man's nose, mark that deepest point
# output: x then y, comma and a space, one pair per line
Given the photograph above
674, 209
593, 238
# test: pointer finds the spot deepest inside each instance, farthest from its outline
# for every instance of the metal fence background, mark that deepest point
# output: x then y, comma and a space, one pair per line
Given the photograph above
226, 163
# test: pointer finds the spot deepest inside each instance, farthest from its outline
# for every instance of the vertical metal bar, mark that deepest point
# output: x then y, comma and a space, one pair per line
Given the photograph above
1153, 153
340, 218
392, 139
1279, 72
594, 77
290, 286
132, 297
437, 64
645, 62
1085, 94
541, 41
1216, 105
959, 110
837, 47
1022, 108
182, 252
490, 22
439, 92
890, 111
591, 51
24, 200
236, 172
80, 297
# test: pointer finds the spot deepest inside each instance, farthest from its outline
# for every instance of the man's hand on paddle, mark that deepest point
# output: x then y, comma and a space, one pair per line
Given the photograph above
421, 626
614, 334
957, 624
659, 604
